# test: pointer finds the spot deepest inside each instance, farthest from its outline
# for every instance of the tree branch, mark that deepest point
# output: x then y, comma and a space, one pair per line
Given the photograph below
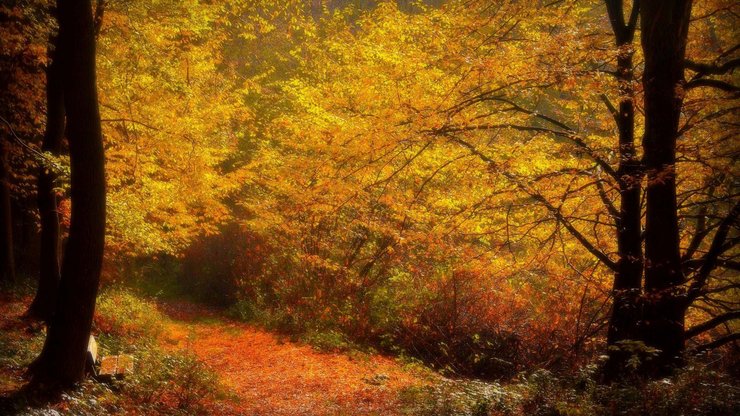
712, 323
613, 211
613, 110
634, 14
567, 132
711, 69
98, 17
711, 83
14, 138
128, 120
623, 31
715, 249
554, 211
717, 343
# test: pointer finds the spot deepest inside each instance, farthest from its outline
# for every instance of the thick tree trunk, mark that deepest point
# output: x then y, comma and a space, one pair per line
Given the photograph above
664, 32
43, 304
62, 360
626, 290
7, 260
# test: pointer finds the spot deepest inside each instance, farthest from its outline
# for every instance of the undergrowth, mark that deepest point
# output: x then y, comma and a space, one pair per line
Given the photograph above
696, 390
163, 382
177, 383
323, 339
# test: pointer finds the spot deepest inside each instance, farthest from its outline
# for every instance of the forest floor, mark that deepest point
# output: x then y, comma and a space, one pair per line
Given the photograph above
258, 372
191, 360
272, 376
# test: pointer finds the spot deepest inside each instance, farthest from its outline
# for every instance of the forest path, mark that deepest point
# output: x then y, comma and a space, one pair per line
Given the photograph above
271, 376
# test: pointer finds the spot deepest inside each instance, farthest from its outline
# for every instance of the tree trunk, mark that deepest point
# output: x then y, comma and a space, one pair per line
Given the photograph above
7, 261
62, 360
626, 290
43, 304
664, 27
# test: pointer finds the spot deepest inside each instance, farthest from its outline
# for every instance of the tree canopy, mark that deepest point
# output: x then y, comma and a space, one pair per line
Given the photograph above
487, 186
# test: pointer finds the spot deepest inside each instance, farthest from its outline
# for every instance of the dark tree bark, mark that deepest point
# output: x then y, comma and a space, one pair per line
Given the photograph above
626, 290
7, 260
43, 304
63, 358
664, 27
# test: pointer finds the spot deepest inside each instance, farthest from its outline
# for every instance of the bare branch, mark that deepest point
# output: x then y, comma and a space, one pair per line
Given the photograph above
717, 343
716, 248
98, 17
613, 110
711, 83
712, 323
565, 132
554, 211
128, 120
711, 69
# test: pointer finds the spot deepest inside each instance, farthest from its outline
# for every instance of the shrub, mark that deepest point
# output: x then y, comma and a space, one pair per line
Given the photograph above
163, 383
247, 311
328, 341
460, 398
166, 382
125, 320
693, 391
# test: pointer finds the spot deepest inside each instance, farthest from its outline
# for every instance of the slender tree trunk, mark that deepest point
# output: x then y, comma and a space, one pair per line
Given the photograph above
664, 27
62, 360
626, 290
43, 304
7, 260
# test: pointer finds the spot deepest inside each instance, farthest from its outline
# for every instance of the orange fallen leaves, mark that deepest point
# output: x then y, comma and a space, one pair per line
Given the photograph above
271, 377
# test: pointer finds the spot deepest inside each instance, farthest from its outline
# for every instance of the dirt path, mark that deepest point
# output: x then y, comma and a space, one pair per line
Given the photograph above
272, 377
